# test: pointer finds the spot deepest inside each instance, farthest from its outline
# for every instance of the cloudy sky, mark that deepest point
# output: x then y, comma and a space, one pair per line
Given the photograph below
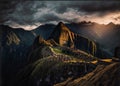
30, 14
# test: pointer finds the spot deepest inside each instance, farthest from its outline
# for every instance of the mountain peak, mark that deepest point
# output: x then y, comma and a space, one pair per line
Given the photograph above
61, 24
61, 27
62, 35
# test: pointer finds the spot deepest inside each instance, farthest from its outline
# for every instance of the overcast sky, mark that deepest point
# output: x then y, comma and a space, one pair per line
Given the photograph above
30, 14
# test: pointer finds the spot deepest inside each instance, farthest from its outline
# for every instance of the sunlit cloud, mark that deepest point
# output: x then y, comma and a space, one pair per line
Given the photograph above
107, 18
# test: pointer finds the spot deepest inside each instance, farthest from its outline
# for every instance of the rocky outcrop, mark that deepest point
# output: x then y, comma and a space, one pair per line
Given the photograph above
62, 35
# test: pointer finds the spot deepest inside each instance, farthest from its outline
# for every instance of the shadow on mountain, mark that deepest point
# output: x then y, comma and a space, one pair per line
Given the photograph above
56, 55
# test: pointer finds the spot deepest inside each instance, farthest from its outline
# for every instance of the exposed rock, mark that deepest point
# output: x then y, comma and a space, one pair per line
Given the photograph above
12, 38
62, 35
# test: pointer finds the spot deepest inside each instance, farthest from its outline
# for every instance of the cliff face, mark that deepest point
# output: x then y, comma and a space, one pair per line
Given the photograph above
85, 44
63, 36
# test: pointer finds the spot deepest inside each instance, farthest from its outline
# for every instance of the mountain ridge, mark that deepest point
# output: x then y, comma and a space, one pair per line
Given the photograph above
15, 57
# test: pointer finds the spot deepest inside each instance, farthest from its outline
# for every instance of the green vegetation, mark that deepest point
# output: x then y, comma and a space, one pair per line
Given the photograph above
57, 50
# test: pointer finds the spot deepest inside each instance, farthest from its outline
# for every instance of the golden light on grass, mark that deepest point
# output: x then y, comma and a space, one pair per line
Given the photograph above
106, 60
103, 60
94, 62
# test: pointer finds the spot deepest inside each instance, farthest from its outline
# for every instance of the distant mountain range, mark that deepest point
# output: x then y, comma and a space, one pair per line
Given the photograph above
106, 35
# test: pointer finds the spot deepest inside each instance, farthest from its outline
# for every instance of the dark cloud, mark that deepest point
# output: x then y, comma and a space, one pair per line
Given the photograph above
48, 18
101, 7
31, 12
6, 8
89, 6
21, 12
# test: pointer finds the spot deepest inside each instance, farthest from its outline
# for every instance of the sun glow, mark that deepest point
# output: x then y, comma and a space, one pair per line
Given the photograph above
111, 17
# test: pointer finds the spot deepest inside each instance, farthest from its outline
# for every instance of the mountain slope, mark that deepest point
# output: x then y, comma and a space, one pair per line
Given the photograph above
14, 49
101, 76
51, 64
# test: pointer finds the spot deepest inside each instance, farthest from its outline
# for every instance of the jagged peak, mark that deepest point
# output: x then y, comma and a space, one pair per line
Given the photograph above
62, 26
59, 29
62, 35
